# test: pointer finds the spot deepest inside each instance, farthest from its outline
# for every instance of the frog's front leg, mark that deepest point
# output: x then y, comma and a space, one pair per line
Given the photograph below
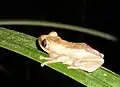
60, 58
51, 56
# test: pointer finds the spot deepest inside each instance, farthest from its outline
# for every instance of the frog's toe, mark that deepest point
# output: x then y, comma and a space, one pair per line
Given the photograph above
43, 64
45, 58
72, 67
69, 67
41, 57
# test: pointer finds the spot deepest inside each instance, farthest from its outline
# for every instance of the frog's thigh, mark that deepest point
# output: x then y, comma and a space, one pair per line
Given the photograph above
60, 58
88, 64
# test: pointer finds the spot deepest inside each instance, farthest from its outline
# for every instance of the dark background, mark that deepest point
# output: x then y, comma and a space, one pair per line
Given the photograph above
98, 15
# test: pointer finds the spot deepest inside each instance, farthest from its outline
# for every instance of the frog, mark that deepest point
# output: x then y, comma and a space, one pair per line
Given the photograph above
76, 55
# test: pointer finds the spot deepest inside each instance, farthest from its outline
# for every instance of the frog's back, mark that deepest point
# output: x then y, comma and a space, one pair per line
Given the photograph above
72, 48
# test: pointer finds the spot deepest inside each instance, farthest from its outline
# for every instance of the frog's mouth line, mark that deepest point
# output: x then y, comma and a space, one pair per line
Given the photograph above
43, 48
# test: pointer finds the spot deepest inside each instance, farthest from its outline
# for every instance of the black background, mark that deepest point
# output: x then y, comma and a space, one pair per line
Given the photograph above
99, 15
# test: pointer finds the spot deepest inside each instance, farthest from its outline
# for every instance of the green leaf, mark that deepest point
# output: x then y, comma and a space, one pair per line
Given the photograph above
60, 25
26, 45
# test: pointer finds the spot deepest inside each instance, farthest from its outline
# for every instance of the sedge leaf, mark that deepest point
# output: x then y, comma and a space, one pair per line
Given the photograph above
26, 45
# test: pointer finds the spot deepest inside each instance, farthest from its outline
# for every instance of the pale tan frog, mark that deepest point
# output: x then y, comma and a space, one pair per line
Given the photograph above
75, 55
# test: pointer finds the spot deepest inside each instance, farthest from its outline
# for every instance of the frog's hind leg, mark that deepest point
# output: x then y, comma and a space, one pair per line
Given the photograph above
60, 58
88, 64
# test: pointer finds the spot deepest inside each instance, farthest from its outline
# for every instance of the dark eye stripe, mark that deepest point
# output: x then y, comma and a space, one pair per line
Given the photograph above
44, 43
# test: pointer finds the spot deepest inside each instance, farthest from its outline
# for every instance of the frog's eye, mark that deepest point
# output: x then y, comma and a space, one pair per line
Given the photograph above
44, 43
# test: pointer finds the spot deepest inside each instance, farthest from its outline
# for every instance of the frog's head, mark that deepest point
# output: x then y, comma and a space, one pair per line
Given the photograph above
46, 41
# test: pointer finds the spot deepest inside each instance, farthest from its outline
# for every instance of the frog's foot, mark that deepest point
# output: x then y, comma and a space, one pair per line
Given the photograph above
72, 67
42, 64
49, 62
60, 58
46, 58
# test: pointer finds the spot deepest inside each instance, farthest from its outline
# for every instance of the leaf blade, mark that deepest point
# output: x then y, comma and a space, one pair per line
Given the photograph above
26, 45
